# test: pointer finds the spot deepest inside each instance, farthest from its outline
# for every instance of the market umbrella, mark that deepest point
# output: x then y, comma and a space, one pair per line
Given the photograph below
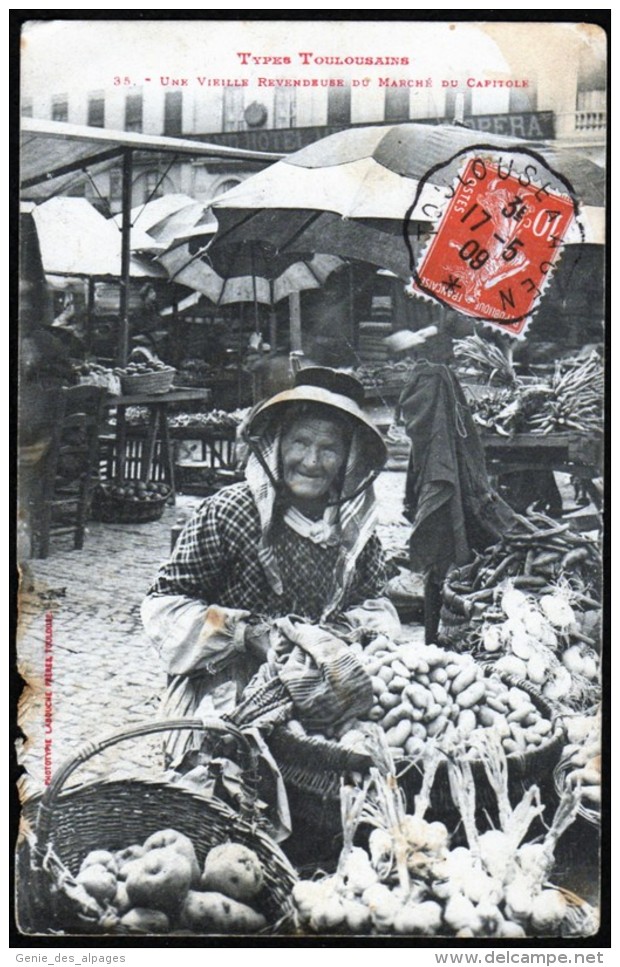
352, 193
76, 240
246, 271
168, 219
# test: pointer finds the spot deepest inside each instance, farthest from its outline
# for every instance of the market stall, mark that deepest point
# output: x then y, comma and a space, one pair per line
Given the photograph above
53, 152
358, 783
364, 784
158, 431
443, 810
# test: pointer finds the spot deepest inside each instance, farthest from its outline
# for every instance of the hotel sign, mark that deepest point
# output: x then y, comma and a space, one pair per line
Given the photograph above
530, 125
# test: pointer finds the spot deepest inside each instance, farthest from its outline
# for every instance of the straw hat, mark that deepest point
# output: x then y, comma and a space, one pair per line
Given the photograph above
331, 388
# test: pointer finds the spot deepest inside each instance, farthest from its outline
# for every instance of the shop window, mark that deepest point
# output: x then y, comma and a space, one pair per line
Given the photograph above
96, 110
133, 112
116, 187
60, 108
457, 101
396, 104
339, 105
521, 100
173, 113
232, 118
284, 107
153, 185
226, 186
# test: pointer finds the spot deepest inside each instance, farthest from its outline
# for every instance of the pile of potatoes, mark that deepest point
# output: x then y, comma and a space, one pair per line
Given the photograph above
424, 692
159, 886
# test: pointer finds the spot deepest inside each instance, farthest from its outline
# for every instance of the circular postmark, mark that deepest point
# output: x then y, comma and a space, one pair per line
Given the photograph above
500, 219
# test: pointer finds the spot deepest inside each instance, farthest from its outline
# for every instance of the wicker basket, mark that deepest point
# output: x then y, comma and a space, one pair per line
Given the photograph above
561, 772
114, 509
68, 823
581, 920
155, 383
312, 769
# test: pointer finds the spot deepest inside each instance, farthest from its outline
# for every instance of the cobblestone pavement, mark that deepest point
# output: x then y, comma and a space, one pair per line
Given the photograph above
105, 677
102, 675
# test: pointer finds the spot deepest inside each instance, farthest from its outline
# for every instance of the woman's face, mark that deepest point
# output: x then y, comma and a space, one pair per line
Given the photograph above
313, 452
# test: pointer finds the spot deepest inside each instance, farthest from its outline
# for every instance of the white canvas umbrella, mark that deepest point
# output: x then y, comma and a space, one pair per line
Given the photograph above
75, 239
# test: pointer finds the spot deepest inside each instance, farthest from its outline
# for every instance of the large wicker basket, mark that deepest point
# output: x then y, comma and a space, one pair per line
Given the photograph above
113, 509
312, 769
63, 825
149, 384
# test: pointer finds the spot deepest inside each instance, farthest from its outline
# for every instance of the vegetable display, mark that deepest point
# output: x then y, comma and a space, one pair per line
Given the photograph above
570, 400
536, 553
485, 358
90, 373
532, 640
530, 605
580, 764
408, 880
422, 692
214, 419
138, 368
136, 491
159, 887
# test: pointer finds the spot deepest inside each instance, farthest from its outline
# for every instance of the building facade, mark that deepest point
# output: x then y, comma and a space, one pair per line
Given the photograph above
568, 107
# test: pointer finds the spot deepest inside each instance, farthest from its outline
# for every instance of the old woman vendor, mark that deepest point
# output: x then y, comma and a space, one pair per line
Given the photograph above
296, 538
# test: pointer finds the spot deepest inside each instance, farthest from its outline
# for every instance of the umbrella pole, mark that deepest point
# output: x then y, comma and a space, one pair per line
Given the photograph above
352, 320
256, 319
123, 336
273, 329
294, 303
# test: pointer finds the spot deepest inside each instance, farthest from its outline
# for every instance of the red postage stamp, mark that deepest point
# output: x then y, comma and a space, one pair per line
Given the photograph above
495, 243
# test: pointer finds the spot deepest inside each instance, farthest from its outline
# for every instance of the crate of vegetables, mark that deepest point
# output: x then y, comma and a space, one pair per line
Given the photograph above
131, 857
130, 502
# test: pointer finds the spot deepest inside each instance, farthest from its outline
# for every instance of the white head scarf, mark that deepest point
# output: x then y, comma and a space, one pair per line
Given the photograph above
351, 521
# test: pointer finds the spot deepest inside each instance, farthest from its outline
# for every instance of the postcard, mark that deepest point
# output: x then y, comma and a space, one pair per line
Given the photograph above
312, 356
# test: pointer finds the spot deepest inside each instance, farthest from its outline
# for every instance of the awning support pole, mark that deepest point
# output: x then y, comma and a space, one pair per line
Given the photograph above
90, 314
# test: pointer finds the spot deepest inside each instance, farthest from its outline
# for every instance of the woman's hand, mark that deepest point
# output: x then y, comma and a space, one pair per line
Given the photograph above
257, 640
314, 640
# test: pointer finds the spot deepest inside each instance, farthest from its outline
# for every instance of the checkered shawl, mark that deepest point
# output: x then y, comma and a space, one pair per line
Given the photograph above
216, 560
357, 517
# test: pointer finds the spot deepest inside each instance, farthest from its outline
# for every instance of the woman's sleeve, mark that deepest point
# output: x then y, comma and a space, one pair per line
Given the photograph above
174, 612
370, 572
366, 606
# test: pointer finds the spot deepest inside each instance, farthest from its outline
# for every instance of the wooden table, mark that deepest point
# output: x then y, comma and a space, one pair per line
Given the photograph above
577, 454
157, 429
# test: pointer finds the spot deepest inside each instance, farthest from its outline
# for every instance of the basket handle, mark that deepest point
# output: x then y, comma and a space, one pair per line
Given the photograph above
533, 691
91, 749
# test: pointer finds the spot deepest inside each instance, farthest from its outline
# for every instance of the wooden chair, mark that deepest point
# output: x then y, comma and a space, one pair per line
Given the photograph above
70, 470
